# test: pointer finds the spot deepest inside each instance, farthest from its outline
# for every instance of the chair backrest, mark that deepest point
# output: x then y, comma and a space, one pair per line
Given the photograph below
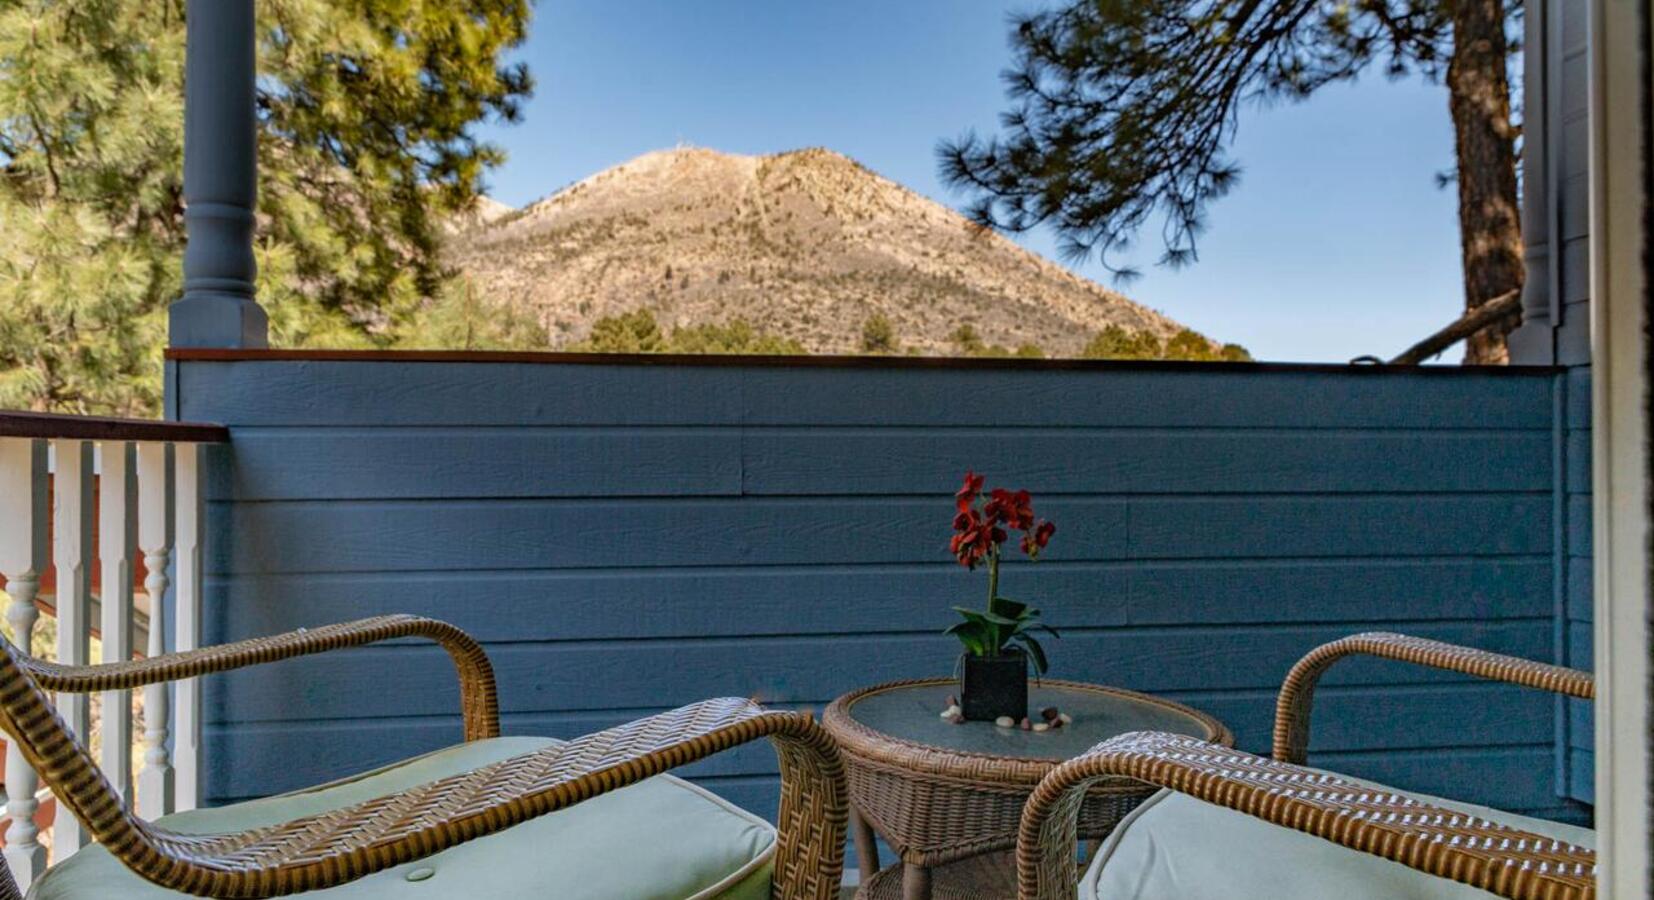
62, 762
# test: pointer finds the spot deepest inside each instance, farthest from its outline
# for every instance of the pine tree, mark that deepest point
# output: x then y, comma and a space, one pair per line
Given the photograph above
459, 318
1123, 110
638, 332
367, 111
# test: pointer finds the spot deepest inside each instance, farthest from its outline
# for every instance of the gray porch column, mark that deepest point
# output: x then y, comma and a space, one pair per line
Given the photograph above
220, 181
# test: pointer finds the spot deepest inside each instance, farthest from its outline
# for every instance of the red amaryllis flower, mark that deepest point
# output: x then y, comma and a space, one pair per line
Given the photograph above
1043, 533
995, 508
974, 537
1014, 509
970, 547
1035, 539
980, 526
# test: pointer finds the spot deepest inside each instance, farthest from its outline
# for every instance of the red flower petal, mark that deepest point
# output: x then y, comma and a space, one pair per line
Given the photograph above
1043, 533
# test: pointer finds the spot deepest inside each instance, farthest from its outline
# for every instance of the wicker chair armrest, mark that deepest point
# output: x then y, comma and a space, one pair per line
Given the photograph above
479, 701
1292, 707
337, 847
1438, 841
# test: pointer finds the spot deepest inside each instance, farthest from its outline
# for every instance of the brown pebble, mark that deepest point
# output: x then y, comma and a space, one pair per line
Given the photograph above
1049, 714
1026, 725
952, 700
957, 719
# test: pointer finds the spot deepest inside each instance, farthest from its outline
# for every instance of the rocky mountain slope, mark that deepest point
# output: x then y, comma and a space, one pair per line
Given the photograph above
808, 245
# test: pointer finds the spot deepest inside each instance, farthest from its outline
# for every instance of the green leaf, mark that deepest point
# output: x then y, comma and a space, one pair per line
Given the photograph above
977, 615
1036, 653
974, 635
1010, 609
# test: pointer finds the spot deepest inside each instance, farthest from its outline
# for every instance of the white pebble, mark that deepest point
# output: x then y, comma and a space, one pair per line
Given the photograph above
1066, 719
950, 712
1005, 722
1042, 727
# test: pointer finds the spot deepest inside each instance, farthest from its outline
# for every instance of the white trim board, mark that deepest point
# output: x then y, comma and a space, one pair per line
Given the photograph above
1619, 448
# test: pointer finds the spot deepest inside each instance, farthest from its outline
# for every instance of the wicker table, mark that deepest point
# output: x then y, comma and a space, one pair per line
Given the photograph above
948, 798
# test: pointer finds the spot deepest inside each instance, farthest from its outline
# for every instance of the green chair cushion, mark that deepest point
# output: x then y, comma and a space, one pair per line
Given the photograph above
660, 839
1175, 847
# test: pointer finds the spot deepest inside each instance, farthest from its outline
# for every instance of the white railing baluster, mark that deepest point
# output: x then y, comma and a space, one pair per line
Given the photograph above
155, 534
72, 557
23, 556
117, 541
187, 739
77, 492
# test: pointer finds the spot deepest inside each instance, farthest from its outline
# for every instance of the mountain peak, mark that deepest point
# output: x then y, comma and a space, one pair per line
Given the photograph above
807, 244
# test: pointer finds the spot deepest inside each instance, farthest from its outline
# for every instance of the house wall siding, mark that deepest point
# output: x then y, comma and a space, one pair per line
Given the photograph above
627, 538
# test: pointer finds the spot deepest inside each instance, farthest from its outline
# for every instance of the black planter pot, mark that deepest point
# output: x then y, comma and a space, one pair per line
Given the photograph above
994, 686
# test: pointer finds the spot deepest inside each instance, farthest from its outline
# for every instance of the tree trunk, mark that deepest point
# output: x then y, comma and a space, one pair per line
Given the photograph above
1490, 223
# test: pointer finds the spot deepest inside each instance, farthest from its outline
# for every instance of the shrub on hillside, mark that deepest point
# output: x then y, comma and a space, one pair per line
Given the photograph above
1115, 342
879, 336
638, 332
1187, 345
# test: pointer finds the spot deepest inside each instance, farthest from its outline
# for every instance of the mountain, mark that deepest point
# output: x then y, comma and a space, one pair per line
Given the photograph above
807, 245
485, 211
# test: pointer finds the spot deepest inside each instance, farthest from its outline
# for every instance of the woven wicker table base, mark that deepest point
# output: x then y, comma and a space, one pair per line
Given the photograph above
991, 876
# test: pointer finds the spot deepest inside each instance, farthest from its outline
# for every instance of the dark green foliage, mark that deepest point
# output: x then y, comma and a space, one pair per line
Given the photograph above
638, 332
633, 332
458, 319
879, 336
1122, 109
1115, 342
367, 111
1006, 621
735, 336
968, 342
1190, 346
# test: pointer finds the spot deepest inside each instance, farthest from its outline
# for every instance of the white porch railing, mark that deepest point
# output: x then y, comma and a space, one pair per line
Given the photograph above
81, 499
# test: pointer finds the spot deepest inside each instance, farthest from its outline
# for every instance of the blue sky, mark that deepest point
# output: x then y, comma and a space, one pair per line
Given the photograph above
1337, 241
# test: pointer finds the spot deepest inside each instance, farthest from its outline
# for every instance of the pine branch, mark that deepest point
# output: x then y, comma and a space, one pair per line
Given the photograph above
1489, 313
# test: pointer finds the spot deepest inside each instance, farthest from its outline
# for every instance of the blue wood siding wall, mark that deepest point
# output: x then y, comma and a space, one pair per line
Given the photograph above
1576, 738
627, 538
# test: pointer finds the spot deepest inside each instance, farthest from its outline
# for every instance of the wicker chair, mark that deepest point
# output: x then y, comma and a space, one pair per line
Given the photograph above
1448, 843
343, 845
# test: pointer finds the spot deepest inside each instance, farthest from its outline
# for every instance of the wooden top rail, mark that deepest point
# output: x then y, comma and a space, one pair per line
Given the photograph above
823, 361
95, 428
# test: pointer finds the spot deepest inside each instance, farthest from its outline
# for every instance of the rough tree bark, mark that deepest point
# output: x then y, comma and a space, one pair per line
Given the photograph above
1490, 223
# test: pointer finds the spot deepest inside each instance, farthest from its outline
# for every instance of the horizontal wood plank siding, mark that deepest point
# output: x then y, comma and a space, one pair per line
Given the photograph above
1577, 733
628, 538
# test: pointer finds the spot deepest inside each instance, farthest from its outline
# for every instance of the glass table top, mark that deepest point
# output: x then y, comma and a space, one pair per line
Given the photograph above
913, 713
